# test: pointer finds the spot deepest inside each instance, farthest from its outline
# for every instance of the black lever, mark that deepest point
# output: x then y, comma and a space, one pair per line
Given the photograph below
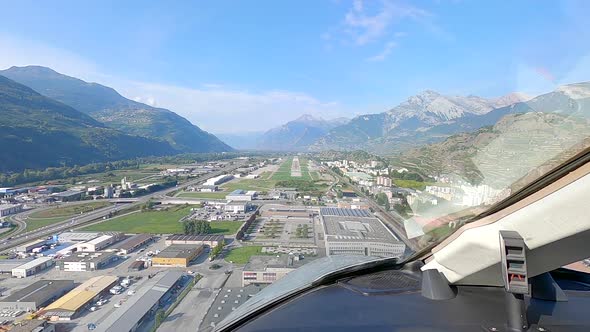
514, 271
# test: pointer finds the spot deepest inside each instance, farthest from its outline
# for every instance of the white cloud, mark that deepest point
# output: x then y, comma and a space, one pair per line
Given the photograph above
224, 111
212, 106
365, 28
384, 53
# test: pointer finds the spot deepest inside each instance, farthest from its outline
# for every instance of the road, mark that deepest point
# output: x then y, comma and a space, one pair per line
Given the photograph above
16, 239
391, 218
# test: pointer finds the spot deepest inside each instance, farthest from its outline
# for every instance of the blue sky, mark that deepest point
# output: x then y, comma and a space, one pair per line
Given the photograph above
234, 66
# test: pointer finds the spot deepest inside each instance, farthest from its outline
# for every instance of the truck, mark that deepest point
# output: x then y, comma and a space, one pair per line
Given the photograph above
125, 282
116, 290
38, 249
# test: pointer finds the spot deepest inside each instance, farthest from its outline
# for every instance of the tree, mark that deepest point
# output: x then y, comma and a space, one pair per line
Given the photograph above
196, 227
382, 198
189, 227
217, 249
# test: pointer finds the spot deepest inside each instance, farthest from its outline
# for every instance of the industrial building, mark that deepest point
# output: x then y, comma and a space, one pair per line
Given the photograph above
6, 209
133, 243
33, 325
86, 261
240, 195
268, 269
66, 250
98, 243
33, 267
142, 306
357, 232
208, 189
29, 246
287, 213
177, 255
77, 236
37, 295
206, 240
218, 180
67, 306
237, 207
136, 266
68, 196
6, 265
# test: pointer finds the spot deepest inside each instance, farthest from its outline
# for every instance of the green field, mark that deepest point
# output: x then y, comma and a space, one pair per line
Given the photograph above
284, 171
36, 223
155, 222
225, 227
160, 222
57, 214
242, 255
411, 184
213, 195
303, 163
249, 184
69, 210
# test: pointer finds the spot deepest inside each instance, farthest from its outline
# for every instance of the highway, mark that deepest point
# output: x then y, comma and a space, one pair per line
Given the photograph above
16, 238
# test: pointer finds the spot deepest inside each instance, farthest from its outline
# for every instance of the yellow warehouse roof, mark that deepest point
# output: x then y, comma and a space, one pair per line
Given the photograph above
82, 294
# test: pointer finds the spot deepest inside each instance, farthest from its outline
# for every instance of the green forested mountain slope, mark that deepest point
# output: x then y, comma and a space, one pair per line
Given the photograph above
36, 131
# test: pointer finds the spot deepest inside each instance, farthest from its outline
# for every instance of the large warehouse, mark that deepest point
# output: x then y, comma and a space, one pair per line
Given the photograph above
177, 255
33, 267
86, 261
39, 294
132, 314
6, 265
357, 232
27, 247
131, 244
6, 209
67, 306
207, 240
99, 243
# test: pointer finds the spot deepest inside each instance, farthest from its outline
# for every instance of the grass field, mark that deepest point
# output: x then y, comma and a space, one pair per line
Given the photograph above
303, 162
57, 214
155, 222
225, 227
160, 222
411, 184
314, 175
284, 171
249, 184
36, 223
242, 255
69, 210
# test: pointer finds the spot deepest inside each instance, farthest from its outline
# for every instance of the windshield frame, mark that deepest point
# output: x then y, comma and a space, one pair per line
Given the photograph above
575, 162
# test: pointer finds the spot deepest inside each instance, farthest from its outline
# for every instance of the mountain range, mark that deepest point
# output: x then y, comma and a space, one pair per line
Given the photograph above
299, 134
511, 145
36, 132
115, 111
410, 123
